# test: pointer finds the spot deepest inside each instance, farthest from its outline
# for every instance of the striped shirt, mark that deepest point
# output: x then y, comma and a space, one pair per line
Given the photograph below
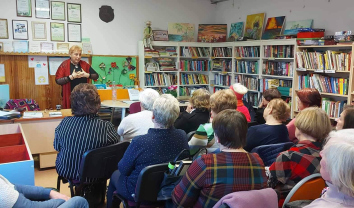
74, 136
213, 176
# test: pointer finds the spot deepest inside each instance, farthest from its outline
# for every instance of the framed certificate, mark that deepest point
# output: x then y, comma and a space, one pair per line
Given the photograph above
62, 47
58, 10
74, 12
57, 31
74, 32
4, 33
42, 9
24, 8
20, 29
39, 30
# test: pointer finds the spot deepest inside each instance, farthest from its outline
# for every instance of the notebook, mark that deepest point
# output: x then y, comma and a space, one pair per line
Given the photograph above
133, 94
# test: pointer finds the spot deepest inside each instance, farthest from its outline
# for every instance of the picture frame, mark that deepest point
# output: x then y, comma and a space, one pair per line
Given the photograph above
74, 12
4, 31
57, 31
74, 32
57, 10
160, 35
39, 30
20, 29
24, 8
42, 9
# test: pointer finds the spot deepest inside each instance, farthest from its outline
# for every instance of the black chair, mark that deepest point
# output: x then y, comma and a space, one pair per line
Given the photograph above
97, 164
268, 153
190, 135
148, 186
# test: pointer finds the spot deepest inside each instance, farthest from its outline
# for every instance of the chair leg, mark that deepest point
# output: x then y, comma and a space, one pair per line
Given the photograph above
71, 186
58, 183
104, 188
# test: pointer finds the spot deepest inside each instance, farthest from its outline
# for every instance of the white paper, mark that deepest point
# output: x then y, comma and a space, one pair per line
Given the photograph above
41, 76
34, 47
2, 73
74, 32
54, 63
20, 46
20, 29
42, 9
86, 48
39, 31
37, 62
8, 46
3, 29
133, 94
32, 114
47, 47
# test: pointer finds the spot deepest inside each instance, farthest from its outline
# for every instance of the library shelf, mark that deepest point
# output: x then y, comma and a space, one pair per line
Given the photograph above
277, 77
333, 94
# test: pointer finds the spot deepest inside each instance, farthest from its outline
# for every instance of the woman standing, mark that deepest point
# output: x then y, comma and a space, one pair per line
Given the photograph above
73, 72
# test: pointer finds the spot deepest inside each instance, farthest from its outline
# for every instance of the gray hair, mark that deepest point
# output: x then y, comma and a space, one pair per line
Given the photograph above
339, 156
147, 98
166, 110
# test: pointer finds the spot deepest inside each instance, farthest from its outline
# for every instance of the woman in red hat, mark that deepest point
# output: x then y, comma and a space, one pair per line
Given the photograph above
239, 91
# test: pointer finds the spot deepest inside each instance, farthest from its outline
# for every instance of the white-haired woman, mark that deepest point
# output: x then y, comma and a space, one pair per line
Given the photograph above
139, 123
337, 168
161, 144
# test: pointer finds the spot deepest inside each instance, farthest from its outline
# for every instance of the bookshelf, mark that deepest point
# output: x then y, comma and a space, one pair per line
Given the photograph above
329, 69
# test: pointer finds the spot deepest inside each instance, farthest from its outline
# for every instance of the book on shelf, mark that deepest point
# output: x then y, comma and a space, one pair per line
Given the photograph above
187, 91
278, 68
222, 65
278, 51
250, 67
192, 79
187, 51
333, 108
328, 60
162, 51
222, 52
266, 84
200, 65
220, 79
324, 84
160, 79
247, 51
252, 83
167, 64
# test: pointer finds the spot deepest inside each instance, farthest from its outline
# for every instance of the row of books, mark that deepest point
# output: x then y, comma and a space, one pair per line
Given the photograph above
278, 68
166, 50
266, 84
166, 64
252, 98
187, 65
279, 51
324, 84
195, 52
189, 79
328, 60
187, 91
160, 79
333, 108
247, 51
222, 65
252, 83
250, 67
224, 80
222, 52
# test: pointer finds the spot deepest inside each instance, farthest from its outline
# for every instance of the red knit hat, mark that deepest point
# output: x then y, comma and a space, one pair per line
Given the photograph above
239, 90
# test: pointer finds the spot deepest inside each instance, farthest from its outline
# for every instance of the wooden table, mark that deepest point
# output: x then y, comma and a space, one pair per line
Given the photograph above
116, 104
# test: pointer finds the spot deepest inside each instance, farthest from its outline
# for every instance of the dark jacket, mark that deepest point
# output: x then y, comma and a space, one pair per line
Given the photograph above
190, 121
259, 116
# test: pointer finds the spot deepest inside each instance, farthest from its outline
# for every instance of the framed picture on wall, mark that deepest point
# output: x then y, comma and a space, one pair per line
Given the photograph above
58, 10
24, 8
57, 31
4, 33
42, 9
20, 29
74, 32
74, 12
39, 30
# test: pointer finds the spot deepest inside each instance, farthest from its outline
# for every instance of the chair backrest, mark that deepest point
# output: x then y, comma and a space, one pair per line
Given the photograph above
309, 188
134, 108
100, 163
190, 135
149, 182
269, 152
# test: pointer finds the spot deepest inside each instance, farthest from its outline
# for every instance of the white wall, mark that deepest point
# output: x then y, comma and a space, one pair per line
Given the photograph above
333, 15
120, 37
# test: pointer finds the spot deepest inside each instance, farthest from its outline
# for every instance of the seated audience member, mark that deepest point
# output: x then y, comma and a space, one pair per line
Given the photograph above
337, 168
20, 196
346, 119
312, 126
204, 136
308, 97
139, 123
160, 145
196, 113
273, 131
213, 176
81, 132
268, 95
240, 91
